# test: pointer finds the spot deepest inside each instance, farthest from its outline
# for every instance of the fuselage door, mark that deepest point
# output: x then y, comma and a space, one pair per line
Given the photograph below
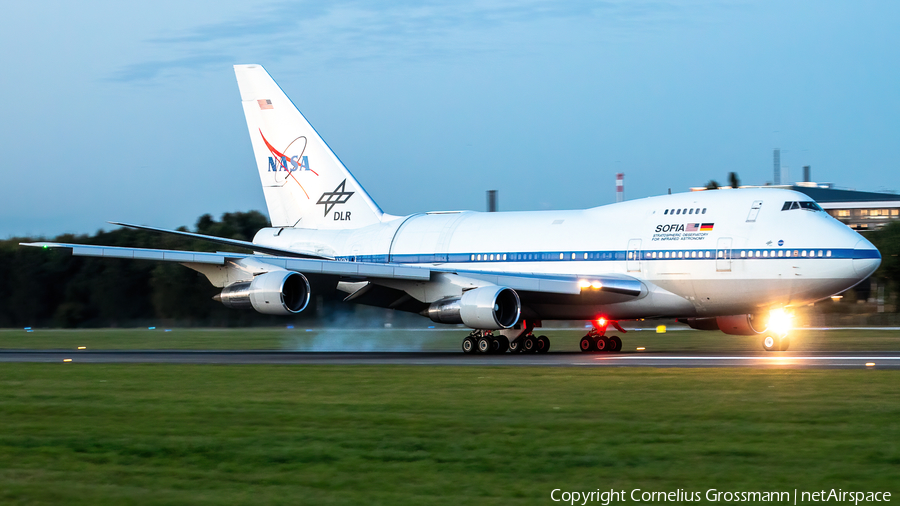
723, 254
633, 256
754, 210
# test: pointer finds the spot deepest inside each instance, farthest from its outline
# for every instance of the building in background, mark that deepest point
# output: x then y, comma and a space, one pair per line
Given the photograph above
861, 211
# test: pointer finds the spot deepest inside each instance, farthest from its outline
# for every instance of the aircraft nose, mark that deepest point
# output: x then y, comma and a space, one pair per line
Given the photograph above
866, 259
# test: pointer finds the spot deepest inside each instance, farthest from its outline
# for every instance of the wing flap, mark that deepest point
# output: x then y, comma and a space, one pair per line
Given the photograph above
88, 250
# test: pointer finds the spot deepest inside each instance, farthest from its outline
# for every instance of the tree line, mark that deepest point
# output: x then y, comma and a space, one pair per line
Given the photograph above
51, 288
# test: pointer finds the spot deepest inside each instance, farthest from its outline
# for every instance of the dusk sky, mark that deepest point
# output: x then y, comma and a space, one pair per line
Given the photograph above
130, 111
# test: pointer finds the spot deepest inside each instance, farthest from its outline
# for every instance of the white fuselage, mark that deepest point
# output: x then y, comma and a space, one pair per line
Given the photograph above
706, 253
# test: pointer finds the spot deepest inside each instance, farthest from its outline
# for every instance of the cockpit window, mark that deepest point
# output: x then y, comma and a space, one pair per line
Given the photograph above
809, 206
812, 206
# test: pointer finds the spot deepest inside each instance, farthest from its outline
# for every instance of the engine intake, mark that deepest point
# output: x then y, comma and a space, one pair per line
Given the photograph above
486, 308
276, 292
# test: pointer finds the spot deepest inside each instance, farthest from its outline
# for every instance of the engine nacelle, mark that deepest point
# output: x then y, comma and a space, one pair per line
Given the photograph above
701, 323
275, 292
486, 308
743, 324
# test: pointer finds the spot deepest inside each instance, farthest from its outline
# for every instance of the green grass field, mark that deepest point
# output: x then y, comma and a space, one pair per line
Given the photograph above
424, 339
176, 434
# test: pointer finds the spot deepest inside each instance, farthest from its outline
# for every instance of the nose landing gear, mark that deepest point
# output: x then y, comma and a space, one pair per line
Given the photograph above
776, 343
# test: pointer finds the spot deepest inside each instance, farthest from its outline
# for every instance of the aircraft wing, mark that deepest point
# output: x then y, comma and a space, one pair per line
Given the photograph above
360, 271
227, 242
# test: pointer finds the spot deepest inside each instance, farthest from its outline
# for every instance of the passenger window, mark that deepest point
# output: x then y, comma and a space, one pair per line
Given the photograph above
704, 211
678, 211
667, 212
691, 211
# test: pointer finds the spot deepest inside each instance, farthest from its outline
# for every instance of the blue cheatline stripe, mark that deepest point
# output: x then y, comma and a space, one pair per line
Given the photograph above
649, 255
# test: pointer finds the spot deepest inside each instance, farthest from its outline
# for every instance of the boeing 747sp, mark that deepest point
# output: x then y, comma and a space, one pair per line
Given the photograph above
717, 260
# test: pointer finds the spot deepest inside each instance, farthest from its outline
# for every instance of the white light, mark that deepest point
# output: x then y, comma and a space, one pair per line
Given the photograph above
583, 283
780, 321
596, 284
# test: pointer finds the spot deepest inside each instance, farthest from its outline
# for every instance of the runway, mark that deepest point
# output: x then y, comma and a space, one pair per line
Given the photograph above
779, 360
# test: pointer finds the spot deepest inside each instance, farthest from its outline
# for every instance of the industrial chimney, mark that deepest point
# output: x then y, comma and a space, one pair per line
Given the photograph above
777, 165
492, 201
620, 187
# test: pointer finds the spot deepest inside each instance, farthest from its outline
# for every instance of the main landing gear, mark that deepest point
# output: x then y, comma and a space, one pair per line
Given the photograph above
776, 343
596, 339
485, 341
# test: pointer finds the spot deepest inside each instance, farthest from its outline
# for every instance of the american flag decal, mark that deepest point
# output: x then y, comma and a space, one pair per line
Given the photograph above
265, 104
692, 227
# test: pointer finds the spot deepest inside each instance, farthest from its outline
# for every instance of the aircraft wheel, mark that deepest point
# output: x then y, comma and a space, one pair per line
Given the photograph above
602, 344
615, 343
484, 344
468, 345
543, 344
515, 346
586, 344
784, 343
529, 344
770, 344
503, 344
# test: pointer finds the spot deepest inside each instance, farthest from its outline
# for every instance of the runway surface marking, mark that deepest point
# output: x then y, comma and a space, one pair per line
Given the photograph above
864, 360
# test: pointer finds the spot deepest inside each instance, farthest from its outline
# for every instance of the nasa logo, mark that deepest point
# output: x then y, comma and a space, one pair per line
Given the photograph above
781, 242
291, 159
296, 163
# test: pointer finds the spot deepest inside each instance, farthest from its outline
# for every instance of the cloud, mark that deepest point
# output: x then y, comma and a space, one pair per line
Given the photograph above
351, 31
149, 70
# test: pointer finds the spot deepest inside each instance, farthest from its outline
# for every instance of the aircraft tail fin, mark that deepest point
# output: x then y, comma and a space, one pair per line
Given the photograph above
304, 182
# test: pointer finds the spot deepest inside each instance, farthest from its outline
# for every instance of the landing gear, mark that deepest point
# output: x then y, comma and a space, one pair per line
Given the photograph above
519, 340
596, 339
774, 343
483, 341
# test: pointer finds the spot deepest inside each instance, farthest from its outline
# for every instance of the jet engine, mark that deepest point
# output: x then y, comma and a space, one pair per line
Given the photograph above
743, 324
276, 292
485, 308
737, 325
700, 323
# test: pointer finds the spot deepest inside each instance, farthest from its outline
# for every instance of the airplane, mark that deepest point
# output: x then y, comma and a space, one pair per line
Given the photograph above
735, 260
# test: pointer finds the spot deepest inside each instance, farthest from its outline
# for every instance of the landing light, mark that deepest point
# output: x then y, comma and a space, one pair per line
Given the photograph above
597, 285
583, 283
780, 321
